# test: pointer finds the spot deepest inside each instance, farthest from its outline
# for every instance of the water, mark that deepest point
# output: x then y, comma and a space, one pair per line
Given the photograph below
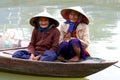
9, 76
104, 27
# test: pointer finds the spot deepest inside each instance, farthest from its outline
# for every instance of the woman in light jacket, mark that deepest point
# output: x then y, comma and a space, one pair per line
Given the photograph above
74, 35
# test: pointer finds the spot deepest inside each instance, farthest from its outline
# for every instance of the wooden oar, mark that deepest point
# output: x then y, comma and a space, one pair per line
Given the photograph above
7, 49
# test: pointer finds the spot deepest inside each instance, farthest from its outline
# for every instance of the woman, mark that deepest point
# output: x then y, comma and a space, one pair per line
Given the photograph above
44, 40
74, 38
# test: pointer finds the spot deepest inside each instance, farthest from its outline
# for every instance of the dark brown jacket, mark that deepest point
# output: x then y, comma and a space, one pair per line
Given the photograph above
41, 41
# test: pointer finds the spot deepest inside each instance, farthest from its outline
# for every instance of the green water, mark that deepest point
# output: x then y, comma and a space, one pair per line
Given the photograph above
104, 27
9, 76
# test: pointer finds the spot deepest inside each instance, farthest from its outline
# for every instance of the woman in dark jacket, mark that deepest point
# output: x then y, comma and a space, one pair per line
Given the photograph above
44, 40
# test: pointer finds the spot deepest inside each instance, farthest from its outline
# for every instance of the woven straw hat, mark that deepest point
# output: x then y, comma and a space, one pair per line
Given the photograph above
65, 13
43, 14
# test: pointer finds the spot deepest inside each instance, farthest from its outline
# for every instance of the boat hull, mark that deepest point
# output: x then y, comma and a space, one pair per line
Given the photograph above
59, 69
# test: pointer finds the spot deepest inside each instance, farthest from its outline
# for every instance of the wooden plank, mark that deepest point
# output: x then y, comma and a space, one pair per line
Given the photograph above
7, 49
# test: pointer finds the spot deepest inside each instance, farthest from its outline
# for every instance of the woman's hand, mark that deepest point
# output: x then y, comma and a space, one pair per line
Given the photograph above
34, 58
72, 38
68, 39
37, 57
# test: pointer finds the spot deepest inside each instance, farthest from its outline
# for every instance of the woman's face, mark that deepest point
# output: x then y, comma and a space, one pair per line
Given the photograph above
43, 22
73, 16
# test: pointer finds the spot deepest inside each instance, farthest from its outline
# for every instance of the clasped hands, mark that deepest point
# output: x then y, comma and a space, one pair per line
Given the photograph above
68, 39
34, 58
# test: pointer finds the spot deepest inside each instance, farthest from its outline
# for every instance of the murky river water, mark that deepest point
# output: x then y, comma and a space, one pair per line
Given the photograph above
104, 27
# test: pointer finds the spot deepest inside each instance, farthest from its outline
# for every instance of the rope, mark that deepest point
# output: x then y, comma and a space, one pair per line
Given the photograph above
116, 66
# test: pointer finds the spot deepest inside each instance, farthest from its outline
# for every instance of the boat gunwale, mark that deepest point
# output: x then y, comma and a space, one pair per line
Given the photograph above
59, 62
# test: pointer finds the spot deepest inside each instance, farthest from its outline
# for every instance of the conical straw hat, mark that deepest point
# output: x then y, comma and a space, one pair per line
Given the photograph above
43, 14
65, 13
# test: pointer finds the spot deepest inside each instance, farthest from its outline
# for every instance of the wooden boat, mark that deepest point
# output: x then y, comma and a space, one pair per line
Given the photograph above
56, 68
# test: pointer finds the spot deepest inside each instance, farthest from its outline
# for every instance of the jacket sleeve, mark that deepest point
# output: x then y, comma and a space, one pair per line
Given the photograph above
83, 35
31, 46
55, 40
62, 33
